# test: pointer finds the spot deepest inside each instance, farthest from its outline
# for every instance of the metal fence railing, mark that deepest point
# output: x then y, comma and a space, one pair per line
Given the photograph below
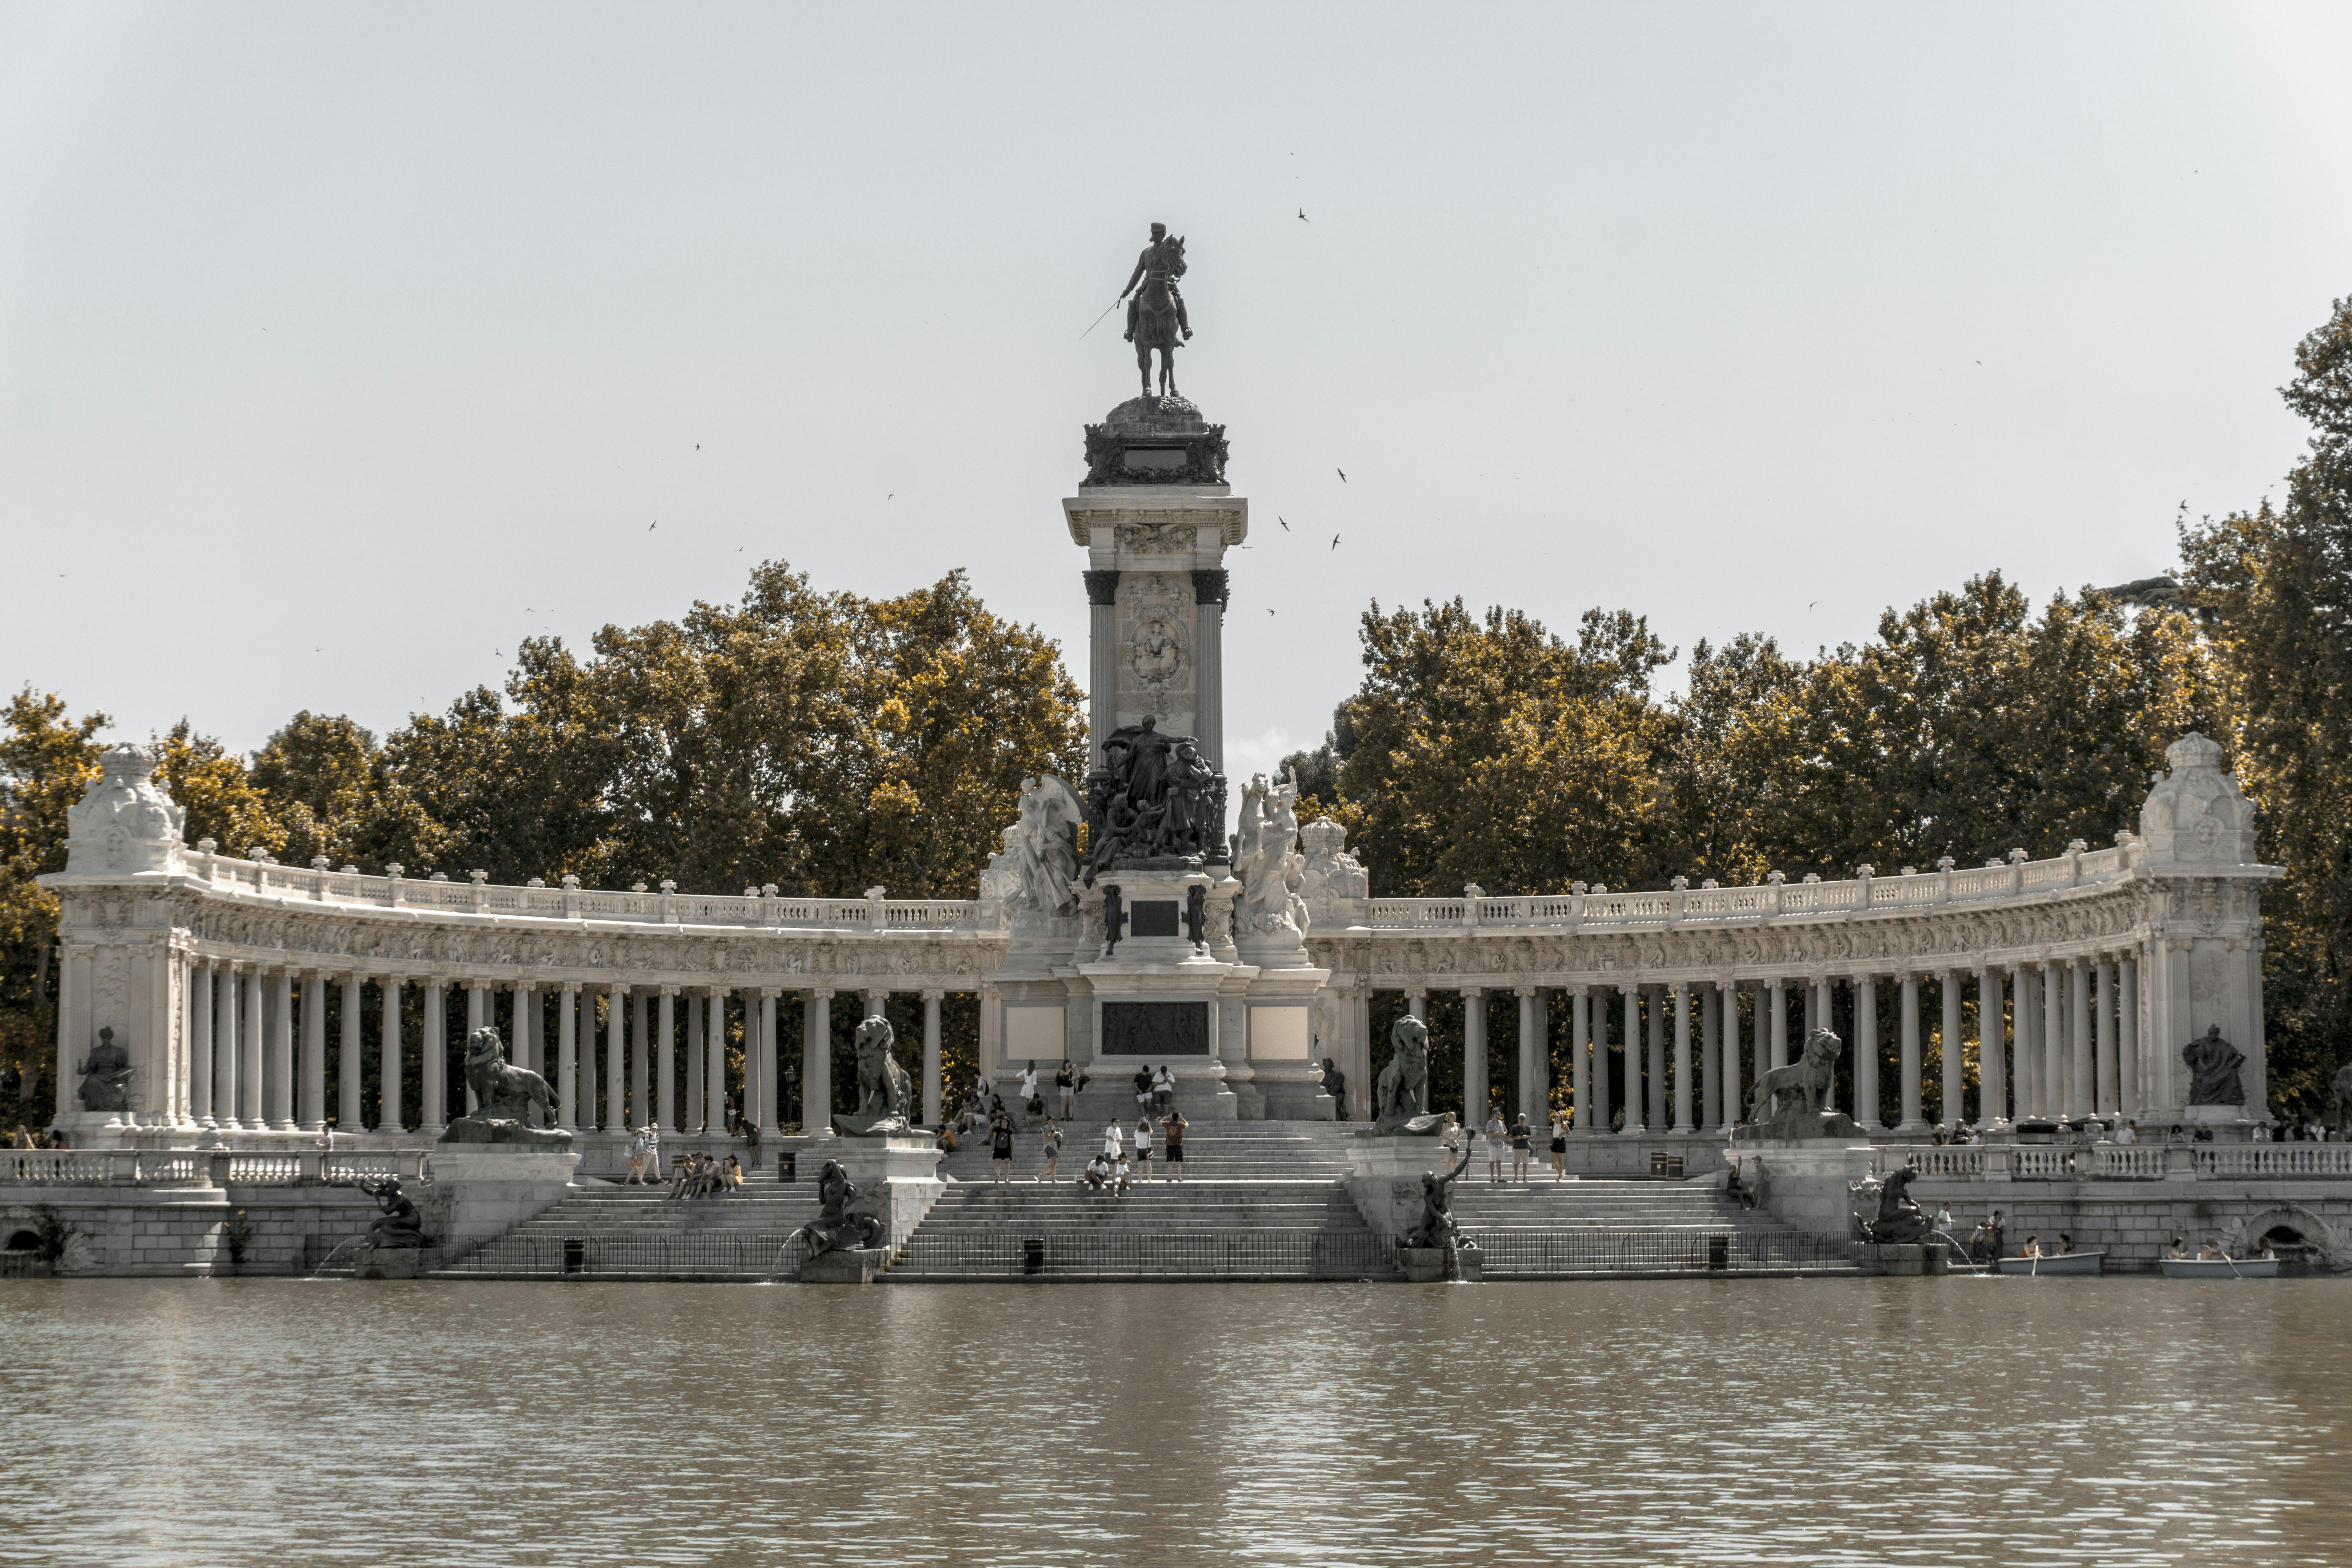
1273, 1253
694, 1252
1539, 1254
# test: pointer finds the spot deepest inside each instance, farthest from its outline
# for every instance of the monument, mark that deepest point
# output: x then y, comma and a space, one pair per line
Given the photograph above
1174, 942
509, 1100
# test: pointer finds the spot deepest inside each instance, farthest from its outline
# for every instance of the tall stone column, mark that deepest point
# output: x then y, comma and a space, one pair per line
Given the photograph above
1812, 1007
2128, 1046
253, 1072
1727, 1004
1535, 1088
279, 1074
931, 1000
1955, 1055
1416, 1001
1211, 591
227, 1045
1710, 1063
2083, 1082
388, 1087
529, 1047
314, 1052
665, 1101
2104, 1019
481, 1013
1993, 1096
771, 1070
1476, 1093
641, 1072
199, 1043
1682, 1058
714, 1071
2054, 1075
2025, 1071
1780, 1011
1865, 1052
616, 1058
567, 1056
1630, 998
817, 1065
1102, 676
1760, 1031
1654, 1004
1913, 1121
1579, 1063
696, 1056
589, 1077
433, 1056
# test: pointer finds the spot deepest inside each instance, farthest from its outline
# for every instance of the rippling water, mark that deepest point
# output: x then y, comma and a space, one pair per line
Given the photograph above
283, 1422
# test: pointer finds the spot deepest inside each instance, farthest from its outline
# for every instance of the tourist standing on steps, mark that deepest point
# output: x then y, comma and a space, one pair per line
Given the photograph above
1163, 1089
1052, 1140
1171, 1135
1028, 1091
1000, 1147
1066, 1084
1114, 1142
1522, 1138
1498, 1139
637, 1159
1143, 1088
1143, 1148
1558, 1147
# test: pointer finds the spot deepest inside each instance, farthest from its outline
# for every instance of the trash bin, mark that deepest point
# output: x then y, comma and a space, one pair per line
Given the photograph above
1718, 1254
787, 1167
575, 1253
1033, 1253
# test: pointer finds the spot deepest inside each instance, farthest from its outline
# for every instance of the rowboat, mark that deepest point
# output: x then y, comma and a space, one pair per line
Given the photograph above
2220, 1267
2050, 1263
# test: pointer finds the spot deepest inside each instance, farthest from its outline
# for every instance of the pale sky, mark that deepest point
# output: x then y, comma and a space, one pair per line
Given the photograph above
341, 347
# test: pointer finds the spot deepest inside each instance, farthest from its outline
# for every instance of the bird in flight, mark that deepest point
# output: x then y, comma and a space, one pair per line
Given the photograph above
1335, 541
1269, 612
1302, 214
654, 524
1285, 522
1342, 473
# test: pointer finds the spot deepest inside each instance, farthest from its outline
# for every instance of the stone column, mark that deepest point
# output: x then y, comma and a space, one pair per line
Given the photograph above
2082, 1082
1102, 685
1710, 1063
481, 1013
199, 1043
1913, 1121
1955, 1054
931, 1000
1818, 1006
531, 1028
1759, 1032
1682, 1057
1535, 1088
589, 1077
714, 1071
1580, 1062
228, 1048
1631, 996
2053, 1036
2108, 1102
314, 1052
567, 1056
641, 1073
1865, 1053
1992, 1095
1655, 1005
2128, 1043
1727, 1004
433, 1056
1210, 590
666, 1043
1416, 1001
2025, 1072
1780, 1011
388, 1074
252, 1107
771, 1064
1475, 1092
1812, 1008
616, 1117
816, 1060
277, 1073
691, 1110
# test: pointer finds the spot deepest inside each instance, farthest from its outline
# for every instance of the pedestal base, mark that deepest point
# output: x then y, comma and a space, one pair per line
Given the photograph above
1426, 1265
1807, 1182
897, 1178
389, 1263
1919, 1257
845, 1265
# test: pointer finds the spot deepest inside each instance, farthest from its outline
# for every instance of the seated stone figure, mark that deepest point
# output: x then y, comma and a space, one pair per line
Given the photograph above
1436, 1227
1901, 1221
834, 1226
400, 1226
106, 1076
507, 1097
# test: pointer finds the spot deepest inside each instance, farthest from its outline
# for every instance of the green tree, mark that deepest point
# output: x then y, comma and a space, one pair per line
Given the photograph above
46, 760
2275, 589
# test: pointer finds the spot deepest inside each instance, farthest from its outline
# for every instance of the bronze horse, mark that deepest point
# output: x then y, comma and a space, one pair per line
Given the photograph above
1155, 322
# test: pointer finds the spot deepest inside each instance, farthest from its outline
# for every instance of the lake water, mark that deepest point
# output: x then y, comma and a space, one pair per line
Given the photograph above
1886, 1421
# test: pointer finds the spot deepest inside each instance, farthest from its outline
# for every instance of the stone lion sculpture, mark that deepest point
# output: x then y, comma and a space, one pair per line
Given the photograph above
885, 1092
834, 1226
1789, 1101
1401, 1097
506, 1097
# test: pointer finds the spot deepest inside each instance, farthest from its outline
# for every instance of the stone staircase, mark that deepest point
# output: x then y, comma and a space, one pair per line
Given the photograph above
1256, 1151
1548, 1229
634, 1233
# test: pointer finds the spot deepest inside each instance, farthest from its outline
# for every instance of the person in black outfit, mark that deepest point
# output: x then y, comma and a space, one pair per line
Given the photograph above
1000, 1146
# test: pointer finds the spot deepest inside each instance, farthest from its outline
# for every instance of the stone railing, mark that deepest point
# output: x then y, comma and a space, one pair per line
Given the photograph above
266, 879
2331, 1160
1765, 901
2121, 1162
205, 1168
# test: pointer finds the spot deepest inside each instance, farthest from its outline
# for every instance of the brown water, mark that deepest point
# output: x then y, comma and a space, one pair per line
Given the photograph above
1894, 1420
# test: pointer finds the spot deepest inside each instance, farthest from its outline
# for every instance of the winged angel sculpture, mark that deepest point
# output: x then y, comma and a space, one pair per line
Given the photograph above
1039, 868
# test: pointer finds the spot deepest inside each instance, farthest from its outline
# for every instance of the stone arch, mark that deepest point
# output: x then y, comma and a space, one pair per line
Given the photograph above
22, 1240
2245, 1236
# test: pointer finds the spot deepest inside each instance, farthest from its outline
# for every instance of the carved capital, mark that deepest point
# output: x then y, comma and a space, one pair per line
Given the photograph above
1102, 587
935, 995
1213, 585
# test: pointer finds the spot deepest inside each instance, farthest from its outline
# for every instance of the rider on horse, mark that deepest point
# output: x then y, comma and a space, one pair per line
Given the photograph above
1161, 262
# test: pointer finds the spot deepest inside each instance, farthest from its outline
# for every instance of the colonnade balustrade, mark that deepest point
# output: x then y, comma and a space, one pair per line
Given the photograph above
2043, 1041
616, 1055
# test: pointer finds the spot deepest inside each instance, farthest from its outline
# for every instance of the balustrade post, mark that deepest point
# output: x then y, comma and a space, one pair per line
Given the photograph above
2128, 1046
1477, 1094
2108, 1103
1913, 1121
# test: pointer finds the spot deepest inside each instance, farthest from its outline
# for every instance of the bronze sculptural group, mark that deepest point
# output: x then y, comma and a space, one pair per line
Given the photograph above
106, 1076
1156, 316
399, 1226
835, 1226
2213, 1075
1793, 1101
1900, 1220
1153, 803
884, 1091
